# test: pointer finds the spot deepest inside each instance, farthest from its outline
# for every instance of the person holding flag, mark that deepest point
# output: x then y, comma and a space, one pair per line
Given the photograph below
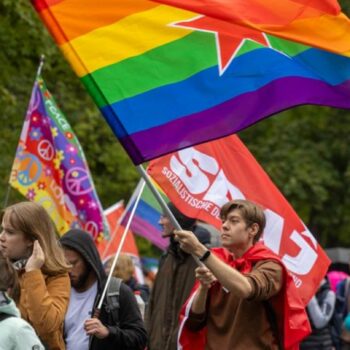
245, 299
119, 324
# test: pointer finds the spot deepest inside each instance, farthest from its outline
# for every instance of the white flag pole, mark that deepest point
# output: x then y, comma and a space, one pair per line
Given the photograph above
122, 217
99, 306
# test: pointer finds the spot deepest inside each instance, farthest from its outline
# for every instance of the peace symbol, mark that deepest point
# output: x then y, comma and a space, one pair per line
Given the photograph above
92, 228
78, 181
46, 150
30, 170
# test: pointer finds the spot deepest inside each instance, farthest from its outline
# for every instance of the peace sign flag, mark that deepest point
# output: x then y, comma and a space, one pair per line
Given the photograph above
50, 168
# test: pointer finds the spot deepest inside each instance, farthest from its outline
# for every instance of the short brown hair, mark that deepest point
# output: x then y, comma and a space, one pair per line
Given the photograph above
35, 223
251, 212
9, 279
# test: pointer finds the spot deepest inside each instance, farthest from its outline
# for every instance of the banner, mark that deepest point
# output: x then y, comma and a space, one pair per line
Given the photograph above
50, 168
200, 179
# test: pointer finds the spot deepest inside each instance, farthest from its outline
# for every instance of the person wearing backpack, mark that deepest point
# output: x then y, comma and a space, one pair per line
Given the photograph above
341, 318
320, 311
16, 333
120, 325
125, 270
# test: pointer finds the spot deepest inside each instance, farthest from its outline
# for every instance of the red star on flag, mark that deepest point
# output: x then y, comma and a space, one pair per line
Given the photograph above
230, 37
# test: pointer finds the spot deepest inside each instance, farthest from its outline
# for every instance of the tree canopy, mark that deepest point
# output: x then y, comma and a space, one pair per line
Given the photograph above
305, 150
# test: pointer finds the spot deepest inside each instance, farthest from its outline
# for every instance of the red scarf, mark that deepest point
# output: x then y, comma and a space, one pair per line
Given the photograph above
293, 324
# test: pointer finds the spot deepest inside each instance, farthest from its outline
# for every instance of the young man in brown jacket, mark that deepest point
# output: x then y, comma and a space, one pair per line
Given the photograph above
236, 288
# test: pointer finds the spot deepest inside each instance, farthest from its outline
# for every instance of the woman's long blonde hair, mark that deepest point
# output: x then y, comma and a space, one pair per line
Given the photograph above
34, 222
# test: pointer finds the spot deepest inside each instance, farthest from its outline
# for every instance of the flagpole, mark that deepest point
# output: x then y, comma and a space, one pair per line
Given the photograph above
122, 217
38, 72
40, 67
163, 204
99, 306
7, 195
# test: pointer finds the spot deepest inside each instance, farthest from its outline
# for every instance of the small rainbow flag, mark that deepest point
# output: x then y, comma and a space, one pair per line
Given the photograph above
169, 74
147, 215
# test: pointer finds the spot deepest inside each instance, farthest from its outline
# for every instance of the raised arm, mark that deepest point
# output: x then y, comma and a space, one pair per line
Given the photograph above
230, 278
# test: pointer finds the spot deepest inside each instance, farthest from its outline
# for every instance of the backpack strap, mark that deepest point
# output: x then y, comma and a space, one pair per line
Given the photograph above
4, 316
112, 297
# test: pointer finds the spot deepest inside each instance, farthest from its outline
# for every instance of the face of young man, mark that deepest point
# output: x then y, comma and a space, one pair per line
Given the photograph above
167, 226
235, 233
80, 270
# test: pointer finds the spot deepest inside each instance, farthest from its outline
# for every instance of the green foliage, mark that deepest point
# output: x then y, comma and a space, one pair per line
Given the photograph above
306, 153
23, 39
305, 150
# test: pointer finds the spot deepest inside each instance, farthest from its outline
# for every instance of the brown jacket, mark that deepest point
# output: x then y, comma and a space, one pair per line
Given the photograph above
234, 323
173, 284
43, 303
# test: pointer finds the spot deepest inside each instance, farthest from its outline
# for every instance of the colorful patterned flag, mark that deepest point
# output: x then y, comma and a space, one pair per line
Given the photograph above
169, 74
50, 168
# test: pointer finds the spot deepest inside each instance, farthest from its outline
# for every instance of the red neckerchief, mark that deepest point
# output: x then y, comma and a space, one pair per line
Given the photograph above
290, 312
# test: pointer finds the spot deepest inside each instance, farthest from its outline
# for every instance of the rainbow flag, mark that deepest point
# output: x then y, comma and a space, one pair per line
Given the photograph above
50, 168
169, 74
146, 218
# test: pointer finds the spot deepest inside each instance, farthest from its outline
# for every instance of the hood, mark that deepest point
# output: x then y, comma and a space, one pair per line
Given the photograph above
8, 306
83, 243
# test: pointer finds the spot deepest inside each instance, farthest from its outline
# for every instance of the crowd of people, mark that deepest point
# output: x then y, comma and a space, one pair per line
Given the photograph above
239, 297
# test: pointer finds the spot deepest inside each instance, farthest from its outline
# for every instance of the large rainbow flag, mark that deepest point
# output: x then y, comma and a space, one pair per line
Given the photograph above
50, 168
168, 74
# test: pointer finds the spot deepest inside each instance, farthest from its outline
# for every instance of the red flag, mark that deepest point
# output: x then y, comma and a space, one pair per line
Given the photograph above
200, 179
109, 248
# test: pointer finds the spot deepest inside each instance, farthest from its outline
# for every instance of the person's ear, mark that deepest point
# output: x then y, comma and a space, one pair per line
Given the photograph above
253, 229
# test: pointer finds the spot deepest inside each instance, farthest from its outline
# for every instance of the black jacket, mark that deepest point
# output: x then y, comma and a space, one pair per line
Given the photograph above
174, 282
130, 334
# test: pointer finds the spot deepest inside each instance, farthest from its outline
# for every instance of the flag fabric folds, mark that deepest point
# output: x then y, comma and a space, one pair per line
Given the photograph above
108, 247
50, 168
201, 179
169, 74
146, 218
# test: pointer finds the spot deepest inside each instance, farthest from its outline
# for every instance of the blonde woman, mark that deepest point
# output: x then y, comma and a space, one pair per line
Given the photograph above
125, 269
28, 239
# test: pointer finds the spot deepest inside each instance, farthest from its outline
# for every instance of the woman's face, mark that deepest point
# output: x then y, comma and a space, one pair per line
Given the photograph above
13, 243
